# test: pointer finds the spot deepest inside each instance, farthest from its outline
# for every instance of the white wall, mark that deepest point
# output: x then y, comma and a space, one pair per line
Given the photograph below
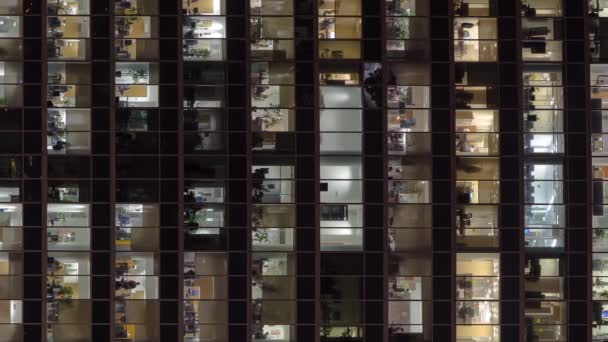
341, 168
10, 6
16, 311
6, 193
342, 192
10, 72
340, 120
276, 172
341, 239
340, 97
547, 192
82, 259
74, 215
78, 119
340, 142
548, 121
83, 6
14, 210
82, 239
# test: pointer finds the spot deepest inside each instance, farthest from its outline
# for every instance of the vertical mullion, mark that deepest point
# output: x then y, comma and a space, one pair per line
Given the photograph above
113, 180
44, 165
589, 127
180, 171
317, 159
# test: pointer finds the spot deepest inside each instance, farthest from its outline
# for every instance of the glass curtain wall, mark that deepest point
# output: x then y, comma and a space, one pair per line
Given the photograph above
205, 238
543, 174
68, 211
12, 169
273, 218
273, 212
477, 170
599, 134
409, 170
340, 103
137, 143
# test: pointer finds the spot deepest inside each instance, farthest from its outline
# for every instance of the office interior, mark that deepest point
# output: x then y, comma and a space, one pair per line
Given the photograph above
311, 164
11, 221
477, 287
137, 227
68, 131
136, 292
135, 7
67, 290
204, 7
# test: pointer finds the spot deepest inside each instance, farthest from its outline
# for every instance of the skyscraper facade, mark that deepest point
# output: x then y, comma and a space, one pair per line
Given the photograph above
303, 170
